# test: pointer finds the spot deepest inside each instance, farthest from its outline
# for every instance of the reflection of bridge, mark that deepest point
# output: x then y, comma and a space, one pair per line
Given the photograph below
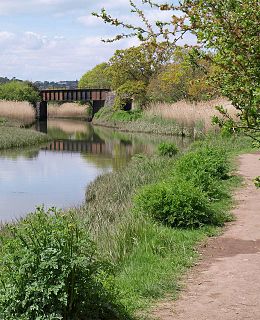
96, 97
85, 147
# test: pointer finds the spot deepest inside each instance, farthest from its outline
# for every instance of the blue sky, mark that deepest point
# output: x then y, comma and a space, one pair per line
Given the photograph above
58, 39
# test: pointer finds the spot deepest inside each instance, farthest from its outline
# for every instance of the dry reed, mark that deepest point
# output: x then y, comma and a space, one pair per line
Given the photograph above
67, 110
21, 111
191, 114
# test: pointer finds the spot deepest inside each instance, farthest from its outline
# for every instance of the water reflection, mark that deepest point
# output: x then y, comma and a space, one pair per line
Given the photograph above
58, 173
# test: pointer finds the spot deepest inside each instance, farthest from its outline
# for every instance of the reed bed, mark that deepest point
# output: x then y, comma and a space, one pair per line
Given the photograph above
67, 110
191, 114
15, 110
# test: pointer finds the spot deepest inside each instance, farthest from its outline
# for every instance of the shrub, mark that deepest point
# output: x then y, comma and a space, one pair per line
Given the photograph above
176, 203
49, 270
121, 115
167, 149
19, 91
205, 167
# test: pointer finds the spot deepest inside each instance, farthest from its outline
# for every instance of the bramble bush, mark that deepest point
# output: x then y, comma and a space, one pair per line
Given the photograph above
187, 199
177, 203
49, 269
167, 149
205, 167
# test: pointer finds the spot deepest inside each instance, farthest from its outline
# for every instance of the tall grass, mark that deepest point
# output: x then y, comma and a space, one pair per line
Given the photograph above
191, 114
11, 137
67, 110
15, 110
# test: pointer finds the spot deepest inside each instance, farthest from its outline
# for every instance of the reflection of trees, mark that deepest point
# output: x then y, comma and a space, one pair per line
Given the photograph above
140, 142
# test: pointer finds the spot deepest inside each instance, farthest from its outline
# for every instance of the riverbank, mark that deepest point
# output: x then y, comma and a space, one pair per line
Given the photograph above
147, 253
191, 119
151, 257
136, 121
228, 264
11, 136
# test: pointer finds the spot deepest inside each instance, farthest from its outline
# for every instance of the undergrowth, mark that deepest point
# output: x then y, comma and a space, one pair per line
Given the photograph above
12, 137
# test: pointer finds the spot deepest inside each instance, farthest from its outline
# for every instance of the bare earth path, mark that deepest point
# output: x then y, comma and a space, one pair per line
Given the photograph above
226, 283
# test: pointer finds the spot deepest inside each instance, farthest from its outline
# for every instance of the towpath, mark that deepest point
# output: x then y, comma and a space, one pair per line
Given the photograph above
225, 285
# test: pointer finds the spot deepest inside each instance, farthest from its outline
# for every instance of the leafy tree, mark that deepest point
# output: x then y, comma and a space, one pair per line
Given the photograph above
230, 29
96, 78
19, 91
130, 70
181, 79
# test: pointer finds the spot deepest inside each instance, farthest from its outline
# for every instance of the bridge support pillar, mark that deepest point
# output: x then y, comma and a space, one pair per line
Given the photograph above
97, 105
41, 110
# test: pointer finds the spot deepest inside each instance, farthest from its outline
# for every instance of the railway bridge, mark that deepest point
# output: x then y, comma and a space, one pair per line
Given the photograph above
96, 97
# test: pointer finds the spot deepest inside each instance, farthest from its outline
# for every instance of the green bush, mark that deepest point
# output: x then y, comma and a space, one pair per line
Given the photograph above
19, 91
167, 149
176, 203
205, 167
121, 115
49, 270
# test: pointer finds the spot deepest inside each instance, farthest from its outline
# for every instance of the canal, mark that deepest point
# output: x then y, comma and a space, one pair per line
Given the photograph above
58, 173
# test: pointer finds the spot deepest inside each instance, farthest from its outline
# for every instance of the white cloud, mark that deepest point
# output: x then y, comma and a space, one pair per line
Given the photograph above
34, 56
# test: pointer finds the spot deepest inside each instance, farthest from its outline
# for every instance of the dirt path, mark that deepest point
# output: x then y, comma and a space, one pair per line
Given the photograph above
226, 283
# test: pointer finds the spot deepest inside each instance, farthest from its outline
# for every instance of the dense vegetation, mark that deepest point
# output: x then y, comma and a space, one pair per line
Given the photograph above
19, 91
229, 29
49, 269
12, 137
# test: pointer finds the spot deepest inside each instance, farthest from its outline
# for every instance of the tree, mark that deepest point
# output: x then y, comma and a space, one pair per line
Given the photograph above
19, 91
130, 71
96, 78
228, 32
181, 79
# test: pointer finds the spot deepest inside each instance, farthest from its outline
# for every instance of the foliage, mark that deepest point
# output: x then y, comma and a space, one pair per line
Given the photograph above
205, 167
19, 91
49, 270
229, 28
11, 137
257, 182
135, 90
130, 71
96, 78
181, 79
126, 115
167, 149
178, 203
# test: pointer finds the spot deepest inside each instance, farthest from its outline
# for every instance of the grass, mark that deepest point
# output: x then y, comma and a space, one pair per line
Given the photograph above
136, 121
150, 257
67, 110
181, 118
19, 111
12, 137
191, 114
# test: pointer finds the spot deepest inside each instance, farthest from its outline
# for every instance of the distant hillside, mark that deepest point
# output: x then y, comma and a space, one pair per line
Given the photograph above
41, 85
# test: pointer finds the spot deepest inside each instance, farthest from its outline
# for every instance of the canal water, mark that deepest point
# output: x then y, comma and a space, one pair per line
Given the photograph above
58, 173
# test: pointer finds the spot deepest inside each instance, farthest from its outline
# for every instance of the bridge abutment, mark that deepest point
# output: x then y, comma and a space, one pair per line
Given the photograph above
41, 110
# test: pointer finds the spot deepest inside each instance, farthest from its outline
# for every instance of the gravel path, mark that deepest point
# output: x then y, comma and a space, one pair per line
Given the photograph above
225, 285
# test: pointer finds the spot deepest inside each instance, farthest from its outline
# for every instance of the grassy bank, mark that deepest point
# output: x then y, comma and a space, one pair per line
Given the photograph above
152, 256
180, 118
12, 136
137, 234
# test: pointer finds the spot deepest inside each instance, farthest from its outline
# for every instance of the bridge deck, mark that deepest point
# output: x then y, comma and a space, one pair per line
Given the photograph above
74, 95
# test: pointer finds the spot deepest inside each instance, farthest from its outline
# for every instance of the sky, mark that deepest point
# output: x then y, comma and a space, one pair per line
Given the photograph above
58, 40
